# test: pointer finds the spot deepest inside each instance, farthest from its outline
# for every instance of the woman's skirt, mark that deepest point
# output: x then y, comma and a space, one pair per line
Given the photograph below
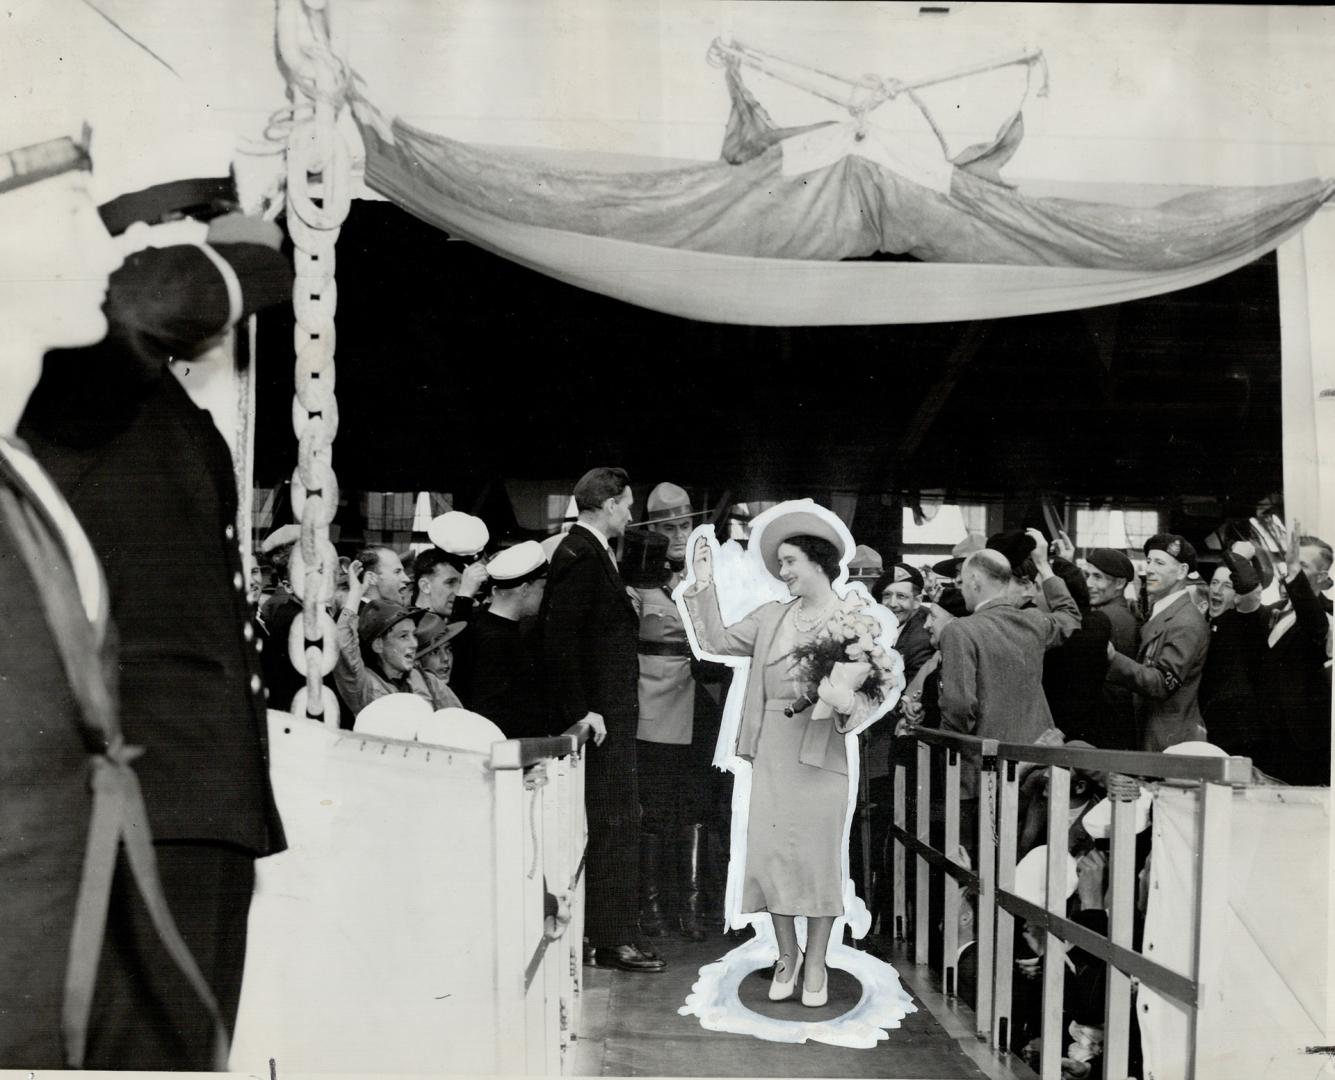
794, 836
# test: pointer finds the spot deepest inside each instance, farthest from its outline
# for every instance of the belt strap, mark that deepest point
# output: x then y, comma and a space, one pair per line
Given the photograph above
119, 815
664, 648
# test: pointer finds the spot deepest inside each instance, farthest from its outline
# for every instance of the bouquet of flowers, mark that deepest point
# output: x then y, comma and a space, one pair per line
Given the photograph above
846, 652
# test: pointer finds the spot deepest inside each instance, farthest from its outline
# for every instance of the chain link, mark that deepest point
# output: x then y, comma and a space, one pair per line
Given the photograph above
319, 185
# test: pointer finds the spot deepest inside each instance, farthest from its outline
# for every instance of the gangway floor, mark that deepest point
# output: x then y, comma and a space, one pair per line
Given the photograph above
631, 1028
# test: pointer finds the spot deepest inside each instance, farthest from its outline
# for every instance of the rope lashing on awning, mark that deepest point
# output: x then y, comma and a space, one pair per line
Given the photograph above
860, 97
318, 196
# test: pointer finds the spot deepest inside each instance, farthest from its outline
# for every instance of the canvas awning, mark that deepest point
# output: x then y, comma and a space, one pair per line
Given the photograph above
761, 236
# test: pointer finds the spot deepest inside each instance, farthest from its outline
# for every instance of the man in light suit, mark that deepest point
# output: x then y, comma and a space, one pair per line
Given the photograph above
590, 631
1166, 675
992, 661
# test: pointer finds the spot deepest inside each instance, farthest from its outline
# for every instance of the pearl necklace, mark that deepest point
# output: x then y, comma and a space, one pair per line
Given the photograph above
815, 619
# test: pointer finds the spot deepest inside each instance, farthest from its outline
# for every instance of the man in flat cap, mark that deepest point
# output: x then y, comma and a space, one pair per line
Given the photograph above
590, 627
679, 723
153, 483
503, 677
1165, 677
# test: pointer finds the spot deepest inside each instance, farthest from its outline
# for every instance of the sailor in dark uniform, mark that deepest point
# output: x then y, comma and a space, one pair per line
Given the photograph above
680, 709
503, 677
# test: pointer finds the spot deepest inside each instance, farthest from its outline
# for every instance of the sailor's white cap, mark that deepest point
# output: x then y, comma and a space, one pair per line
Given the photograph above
516, 565
457, 533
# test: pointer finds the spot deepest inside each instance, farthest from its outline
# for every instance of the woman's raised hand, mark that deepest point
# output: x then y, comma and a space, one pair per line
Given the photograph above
703, 562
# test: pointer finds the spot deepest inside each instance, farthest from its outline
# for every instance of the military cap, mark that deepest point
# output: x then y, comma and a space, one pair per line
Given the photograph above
904, 572
1176, 547
966, 547
378, 617
1112, 562
280, 537
668, 502
517, 565
865, 565
1244, 575
947, 568
1017, 546
459, 535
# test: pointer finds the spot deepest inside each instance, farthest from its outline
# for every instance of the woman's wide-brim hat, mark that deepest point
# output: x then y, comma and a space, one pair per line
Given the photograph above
798, 523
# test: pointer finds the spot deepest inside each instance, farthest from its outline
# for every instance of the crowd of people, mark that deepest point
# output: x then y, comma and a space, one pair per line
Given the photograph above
134, 654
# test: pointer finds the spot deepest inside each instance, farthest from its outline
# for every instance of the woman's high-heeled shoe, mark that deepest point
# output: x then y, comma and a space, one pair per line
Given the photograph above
816, 998
782, 991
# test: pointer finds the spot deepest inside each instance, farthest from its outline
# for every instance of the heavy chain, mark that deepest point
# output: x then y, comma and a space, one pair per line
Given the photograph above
318, 197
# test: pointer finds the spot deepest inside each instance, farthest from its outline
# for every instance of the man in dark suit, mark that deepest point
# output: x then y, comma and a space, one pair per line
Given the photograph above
1166, 675
1295, 688
152, 481
992, 661
590, 633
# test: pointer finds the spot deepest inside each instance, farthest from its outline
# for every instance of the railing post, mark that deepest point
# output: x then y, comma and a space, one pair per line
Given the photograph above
1054, 949
579, 841
1006, 840
901, 864
985, 921
951, 890
1212, 854
1121, 913
508, 792
922, 816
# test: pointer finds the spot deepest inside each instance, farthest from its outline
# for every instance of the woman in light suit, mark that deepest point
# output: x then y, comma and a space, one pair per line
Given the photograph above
799, 784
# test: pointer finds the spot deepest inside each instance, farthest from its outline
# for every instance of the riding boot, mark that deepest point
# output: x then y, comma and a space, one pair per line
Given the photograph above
693, 883
652, 923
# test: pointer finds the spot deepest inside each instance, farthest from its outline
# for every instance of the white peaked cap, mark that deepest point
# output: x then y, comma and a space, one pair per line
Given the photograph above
518, 564
457, 533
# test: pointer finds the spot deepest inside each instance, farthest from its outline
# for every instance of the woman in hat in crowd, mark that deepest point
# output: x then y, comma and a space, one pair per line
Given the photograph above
799, 781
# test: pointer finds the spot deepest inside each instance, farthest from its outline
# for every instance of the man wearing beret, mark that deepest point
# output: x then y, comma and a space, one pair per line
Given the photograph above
152, 481
901, 591
1107, 574
680, 710
1165, 677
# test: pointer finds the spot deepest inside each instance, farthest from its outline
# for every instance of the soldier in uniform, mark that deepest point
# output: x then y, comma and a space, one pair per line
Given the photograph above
680, 709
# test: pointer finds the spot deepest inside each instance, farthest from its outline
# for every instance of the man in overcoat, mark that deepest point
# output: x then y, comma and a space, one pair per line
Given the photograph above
992, 660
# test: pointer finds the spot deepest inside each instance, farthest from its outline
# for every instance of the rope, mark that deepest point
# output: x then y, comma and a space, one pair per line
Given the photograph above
534, 779
318, 196
864, 95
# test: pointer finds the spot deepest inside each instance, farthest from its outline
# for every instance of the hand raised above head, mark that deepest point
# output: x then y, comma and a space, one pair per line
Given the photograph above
1040, 555
1063, 548
703, 562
